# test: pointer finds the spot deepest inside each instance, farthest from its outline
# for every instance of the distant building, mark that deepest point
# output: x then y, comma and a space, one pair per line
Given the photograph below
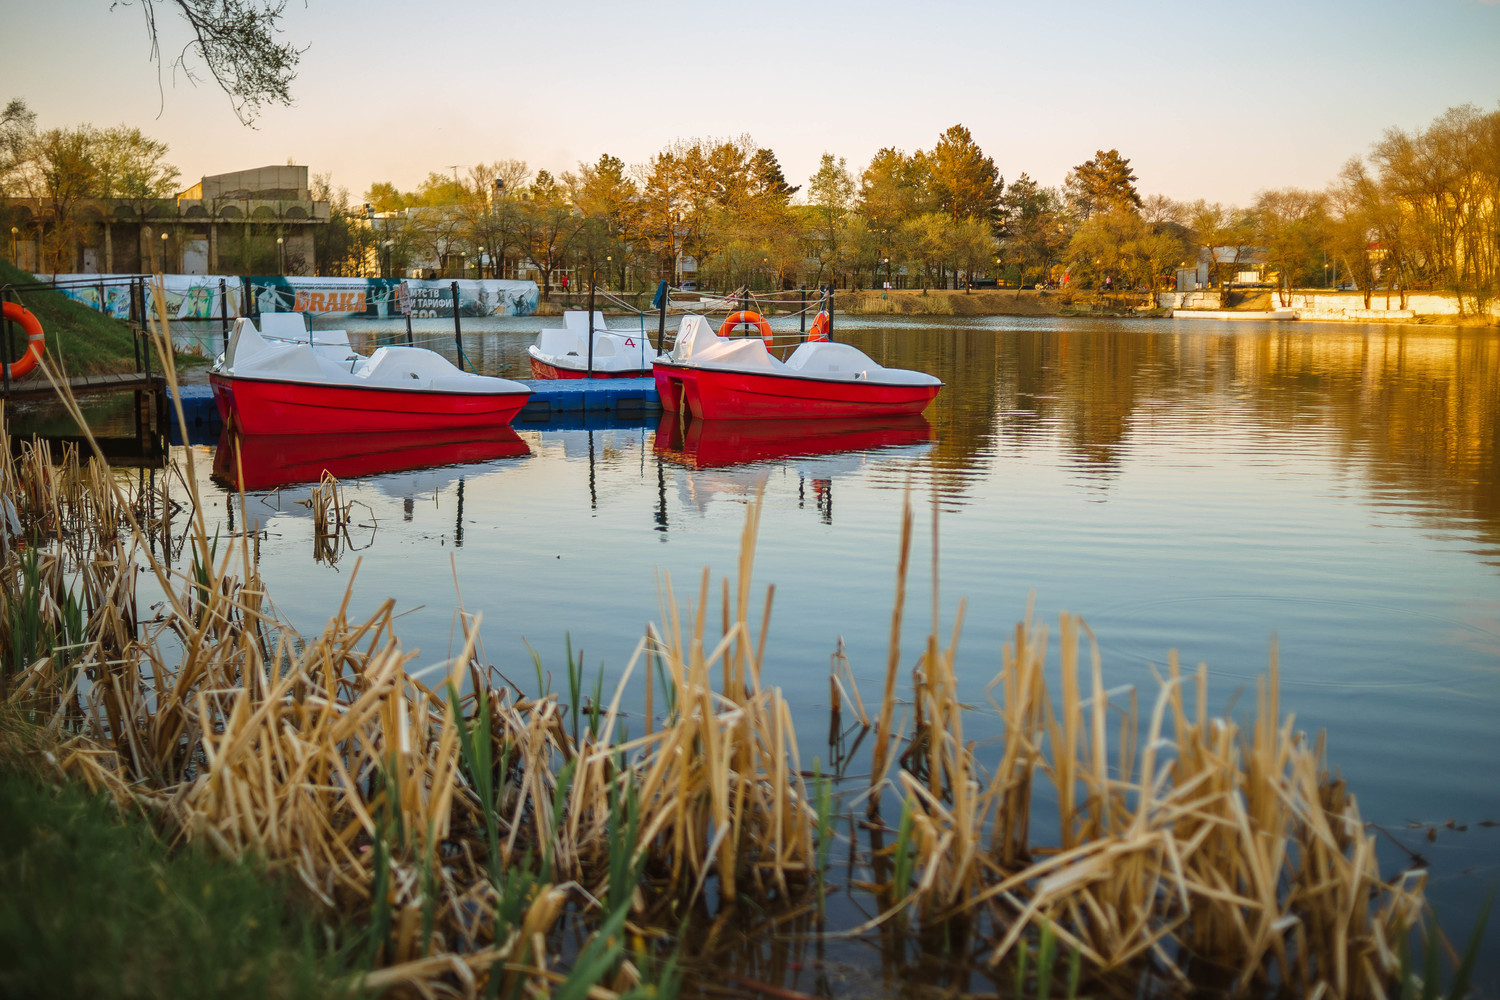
1232, 265
257, 221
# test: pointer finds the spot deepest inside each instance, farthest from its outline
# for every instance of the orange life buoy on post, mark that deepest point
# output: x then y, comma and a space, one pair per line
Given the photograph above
35, 343
819, 329
747, 317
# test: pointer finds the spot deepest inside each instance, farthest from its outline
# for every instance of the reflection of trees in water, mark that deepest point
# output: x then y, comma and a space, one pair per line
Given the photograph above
1420, 408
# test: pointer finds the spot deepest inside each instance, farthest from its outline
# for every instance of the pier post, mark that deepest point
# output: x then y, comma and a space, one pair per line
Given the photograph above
830, 314
590, 372
223, 316
408, 328
662, 295
802, 311
10, 345
458, 332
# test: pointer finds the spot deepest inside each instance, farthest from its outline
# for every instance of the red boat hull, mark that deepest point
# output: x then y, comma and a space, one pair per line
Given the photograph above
542, 370
711, 394
264, 406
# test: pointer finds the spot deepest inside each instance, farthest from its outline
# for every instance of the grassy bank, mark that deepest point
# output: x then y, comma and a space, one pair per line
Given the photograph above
988, 302
80, 340
93, 904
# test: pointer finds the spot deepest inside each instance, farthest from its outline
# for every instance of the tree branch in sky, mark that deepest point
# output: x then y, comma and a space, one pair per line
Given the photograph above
237, 41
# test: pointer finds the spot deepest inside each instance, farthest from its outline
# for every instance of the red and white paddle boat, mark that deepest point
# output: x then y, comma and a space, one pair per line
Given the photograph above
286, 379
721, 378
561, 353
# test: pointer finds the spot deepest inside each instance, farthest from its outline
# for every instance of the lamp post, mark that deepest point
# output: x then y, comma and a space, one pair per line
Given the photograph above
14, 232
609, 269
497, 254
676, 251
164, 253
887, 262
280, 256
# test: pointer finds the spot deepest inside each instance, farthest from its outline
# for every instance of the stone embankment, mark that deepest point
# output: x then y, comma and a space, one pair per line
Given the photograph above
1325, 306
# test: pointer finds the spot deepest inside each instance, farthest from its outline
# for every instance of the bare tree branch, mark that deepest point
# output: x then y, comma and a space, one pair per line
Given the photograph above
237, 41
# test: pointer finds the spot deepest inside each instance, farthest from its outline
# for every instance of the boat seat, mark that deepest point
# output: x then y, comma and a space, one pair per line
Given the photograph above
577, 320
831, 359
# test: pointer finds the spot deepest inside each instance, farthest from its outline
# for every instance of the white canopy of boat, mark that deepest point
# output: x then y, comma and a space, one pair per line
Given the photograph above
614, 349
283, 349
699, 345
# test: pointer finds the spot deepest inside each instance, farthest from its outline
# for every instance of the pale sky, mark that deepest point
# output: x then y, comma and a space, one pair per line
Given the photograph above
1207, 99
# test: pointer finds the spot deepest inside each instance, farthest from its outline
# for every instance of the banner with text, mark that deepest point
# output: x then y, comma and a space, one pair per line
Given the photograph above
332, 297
486, 297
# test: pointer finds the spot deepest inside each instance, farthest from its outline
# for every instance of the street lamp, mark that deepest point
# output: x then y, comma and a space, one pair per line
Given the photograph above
887, 262
609, 268
164, 252
14, 232
280, 256
676, 252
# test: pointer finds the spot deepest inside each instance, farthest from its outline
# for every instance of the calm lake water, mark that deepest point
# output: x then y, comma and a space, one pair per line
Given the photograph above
1211, 488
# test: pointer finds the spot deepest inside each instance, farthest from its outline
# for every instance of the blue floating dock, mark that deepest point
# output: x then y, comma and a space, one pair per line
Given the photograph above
612, 395
550, 399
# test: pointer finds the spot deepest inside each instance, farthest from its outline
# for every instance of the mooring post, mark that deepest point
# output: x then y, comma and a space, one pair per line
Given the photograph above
802, 311
458, 332
408, 328
590, 373
224, 316
135, 318
10, 345
830, 314
662, 295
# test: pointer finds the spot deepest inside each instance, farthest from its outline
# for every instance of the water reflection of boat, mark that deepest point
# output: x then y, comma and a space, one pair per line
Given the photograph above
564, 353
724, 378
266, 461
286, 379
704, 444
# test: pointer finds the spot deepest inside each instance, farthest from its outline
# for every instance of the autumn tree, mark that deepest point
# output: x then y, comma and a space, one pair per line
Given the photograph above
660, 207
606, 195
830, 194
1101, 184
62, 172
1222, 233
1446, 178
17, 131
1035, 229
964, 181
546, 226
1290, 229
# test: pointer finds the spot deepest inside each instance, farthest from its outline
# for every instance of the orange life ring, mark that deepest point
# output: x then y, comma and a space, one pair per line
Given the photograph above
35, 345
819, 329
736, 318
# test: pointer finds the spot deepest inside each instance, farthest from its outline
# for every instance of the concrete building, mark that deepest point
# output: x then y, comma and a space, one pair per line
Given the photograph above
258, 221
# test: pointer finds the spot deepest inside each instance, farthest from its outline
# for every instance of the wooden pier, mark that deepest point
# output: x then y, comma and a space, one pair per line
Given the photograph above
151, 421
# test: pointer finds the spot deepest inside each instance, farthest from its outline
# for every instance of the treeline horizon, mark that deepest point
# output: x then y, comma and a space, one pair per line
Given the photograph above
1419, 211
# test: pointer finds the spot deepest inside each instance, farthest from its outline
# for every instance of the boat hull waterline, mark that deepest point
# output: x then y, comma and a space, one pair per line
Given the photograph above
541, 370
734, 395
266, 406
